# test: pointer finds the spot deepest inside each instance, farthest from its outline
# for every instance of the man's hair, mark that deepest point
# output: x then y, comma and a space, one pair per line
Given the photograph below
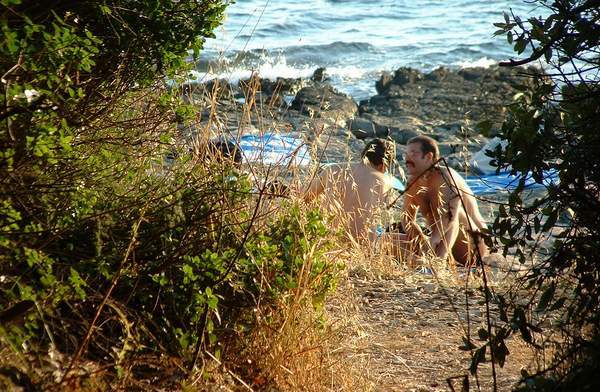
379, 151
427, 145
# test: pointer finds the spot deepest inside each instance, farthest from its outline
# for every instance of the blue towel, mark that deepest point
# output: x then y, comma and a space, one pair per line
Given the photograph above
273, 149
504, 181
394, 182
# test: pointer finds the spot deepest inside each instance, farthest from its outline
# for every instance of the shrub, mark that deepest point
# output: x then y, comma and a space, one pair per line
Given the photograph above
552, 126
107, 252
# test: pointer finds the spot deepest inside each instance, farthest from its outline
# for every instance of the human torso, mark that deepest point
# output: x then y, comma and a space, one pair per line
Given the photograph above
359, 191
431, 193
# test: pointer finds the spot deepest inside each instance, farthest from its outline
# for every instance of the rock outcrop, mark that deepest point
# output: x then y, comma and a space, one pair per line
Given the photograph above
445, 104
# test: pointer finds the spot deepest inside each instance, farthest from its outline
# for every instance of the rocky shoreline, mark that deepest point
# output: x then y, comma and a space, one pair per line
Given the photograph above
444, 104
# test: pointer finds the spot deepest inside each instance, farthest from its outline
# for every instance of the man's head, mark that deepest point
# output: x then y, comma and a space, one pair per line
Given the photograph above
379, 153
421, 152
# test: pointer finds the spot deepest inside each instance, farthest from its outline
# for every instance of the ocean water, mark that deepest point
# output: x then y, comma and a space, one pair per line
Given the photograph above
356, 40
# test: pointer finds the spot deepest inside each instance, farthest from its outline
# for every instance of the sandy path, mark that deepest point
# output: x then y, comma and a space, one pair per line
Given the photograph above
404, 333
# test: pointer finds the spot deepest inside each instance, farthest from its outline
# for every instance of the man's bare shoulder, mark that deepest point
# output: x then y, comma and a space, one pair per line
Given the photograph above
450, 177
334, 168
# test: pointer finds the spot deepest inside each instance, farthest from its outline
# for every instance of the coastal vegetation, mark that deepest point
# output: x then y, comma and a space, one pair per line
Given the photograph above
553, 126
126, 260
135, 254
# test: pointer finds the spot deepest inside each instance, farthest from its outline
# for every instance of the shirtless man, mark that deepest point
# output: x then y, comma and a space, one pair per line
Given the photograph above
357, 192
446, 203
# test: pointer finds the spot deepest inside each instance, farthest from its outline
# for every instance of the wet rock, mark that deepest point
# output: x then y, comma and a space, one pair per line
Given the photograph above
378, 100
319, 75
473, 74
219, 89
325, 101
362, 128
384, 81
405, 75
438, 75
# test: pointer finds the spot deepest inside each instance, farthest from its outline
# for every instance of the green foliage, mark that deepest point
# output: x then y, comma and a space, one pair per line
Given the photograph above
92, 220
553, 126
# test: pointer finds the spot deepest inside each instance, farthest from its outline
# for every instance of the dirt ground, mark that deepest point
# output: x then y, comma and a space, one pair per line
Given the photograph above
404, 328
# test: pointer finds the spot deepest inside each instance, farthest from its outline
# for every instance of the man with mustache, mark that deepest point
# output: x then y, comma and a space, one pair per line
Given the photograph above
446, 203
357, 192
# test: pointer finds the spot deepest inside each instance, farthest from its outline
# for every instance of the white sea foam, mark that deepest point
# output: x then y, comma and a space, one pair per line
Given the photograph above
483, 62
349, 72
272, 68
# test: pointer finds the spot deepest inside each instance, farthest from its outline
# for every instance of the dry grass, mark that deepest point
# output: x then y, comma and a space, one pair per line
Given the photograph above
404, 327
386, 326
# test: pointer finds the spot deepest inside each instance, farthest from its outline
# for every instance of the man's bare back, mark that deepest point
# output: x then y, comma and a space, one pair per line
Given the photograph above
356, 192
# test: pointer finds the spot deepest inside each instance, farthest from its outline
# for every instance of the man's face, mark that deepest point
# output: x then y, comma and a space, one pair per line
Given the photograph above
416, 161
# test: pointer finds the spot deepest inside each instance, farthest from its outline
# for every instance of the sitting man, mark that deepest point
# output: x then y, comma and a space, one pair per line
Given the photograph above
357, 192
446, 203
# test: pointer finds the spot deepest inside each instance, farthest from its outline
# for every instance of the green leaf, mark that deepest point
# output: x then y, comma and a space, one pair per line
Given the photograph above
500, 353
105, 9
8, 3
550, 221
558, 304
548, 54
467, 344
546, 297
483, 334
478, 357
520, 44
484, 127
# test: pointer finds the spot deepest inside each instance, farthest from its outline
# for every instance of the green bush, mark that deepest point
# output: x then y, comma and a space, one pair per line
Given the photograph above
552, 125
106, 251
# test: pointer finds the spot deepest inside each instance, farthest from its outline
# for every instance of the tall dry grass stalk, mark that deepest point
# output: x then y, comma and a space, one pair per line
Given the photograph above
293, 344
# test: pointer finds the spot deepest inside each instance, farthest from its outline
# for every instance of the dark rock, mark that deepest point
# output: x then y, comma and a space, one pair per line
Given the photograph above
324, 101
400, 128
438, 74
319, 75
393, 86
378, 100
219, 89
362, 128
384, 81
448, 148
405, 75
402, 136
473, 74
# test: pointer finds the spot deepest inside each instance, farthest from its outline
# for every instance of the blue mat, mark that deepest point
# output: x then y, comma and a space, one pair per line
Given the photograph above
492, 183
504, 181
395, 183
273, 149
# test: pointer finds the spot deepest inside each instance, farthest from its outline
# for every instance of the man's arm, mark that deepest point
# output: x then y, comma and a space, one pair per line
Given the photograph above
449, 227
414, 234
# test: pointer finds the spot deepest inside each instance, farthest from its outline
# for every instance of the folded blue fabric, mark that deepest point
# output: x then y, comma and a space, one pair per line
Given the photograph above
504, 181
273, 149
